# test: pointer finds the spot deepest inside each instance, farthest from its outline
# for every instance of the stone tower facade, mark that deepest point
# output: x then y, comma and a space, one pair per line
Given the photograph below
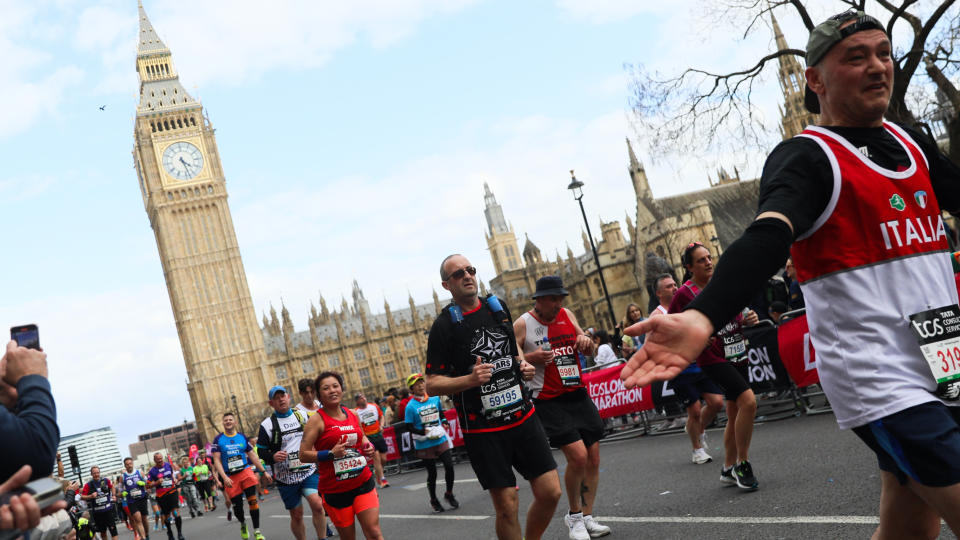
793, 116
185, 195
501, 240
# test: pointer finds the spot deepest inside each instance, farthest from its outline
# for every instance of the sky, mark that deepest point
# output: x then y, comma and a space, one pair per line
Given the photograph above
355, 139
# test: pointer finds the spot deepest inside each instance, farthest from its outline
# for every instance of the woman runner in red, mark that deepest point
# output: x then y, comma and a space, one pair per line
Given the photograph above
334, 439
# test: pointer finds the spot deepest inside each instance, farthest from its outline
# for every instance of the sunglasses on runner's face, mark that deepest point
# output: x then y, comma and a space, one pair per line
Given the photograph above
461, 272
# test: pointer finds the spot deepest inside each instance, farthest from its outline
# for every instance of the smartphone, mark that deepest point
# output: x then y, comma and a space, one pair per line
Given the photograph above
26, 335
45, 491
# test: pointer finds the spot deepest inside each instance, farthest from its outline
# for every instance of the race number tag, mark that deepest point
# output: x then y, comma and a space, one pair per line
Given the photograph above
101, 500
293, 461
134, 493
734, 346
569, 370
234, 464
350, 465
367, 417
166, 482
938, 333
499, 400
429, 416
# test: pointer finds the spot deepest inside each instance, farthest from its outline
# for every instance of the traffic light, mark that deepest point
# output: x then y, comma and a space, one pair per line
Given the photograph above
74, 460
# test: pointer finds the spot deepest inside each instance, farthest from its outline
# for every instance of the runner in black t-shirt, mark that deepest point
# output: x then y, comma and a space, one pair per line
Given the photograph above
472, 356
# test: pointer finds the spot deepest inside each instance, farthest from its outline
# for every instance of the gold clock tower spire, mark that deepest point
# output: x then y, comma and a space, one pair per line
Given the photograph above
185, 195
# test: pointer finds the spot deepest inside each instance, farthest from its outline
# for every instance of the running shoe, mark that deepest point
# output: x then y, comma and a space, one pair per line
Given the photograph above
199, 513
578, 530
384, 484
330, 532
437, 507
451, 500
229, 514
257, 535
744, 475
726, 476
594, 528
243, 531
700, 456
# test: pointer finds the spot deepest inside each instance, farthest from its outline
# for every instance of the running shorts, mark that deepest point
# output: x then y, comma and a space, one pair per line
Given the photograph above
378, 442
169, 502
920, 443
139, 506
494, 454
291, 493
241, 481
433, 452
202, 487
570, 418
343, 507
690, 386
105, 521
731, 377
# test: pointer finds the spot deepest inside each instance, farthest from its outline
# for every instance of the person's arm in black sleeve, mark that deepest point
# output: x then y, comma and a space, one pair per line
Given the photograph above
263, 446
29, 433
795, 189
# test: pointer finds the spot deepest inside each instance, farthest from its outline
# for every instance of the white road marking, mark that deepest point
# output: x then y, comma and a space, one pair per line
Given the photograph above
859, 520
428, 516
423, 485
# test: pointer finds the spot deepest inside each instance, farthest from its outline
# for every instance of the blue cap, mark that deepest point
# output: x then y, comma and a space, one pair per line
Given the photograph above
274, 390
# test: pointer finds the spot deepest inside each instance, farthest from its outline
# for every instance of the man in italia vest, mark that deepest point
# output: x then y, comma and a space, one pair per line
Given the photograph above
857, 202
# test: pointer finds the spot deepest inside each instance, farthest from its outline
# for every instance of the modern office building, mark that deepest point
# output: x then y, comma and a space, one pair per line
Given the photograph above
97, 447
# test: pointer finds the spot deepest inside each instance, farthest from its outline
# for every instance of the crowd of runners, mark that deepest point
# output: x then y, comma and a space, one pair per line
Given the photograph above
832, 193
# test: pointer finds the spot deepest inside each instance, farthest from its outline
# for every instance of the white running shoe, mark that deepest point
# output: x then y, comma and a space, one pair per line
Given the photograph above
700, 456
578, 531
595, 529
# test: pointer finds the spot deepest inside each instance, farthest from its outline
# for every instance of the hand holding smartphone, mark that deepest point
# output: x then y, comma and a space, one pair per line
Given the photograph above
26, 335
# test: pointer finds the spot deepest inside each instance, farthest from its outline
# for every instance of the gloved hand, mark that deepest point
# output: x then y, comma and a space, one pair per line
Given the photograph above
436, 432
141, 483
124, 493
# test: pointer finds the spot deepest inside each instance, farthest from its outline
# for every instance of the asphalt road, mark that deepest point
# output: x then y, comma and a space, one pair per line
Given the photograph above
815, 482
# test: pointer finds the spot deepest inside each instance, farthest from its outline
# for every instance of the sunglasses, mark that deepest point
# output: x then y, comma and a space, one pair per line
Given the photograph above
461, 272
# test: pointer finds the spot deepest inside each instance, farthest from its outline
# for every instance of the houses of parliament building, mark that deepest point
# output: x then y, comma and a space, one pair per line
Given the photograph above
231, 360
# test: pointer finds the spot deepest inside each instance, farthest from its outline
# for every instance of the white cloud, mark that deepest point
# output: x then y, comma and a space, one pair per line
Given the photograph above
603, 11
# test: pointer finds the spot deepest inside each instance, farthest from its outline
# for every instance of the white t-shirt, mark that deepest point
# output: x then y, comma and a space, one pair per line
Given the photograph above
605, 355
308, 412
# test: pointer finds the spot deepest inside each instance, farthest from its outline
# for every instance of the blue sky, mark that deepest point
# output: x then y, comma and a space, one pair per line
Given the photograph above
355, 137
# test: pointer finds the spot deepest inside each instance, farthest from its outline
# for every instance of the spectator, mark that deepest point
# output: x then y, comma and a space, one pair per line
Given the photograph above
629, 344
795, 300
404, 398
389, 409
776, 310
28, 418
605, 354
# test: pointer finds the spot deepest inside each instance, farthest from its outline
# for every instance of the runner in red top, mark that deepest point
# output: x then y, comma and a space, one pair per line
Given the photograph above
334, 439
551, 339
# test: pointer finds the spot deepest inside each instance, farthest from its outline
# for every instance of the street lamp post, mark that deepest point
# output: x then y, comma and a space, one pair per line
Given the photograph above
235, 408
576, 187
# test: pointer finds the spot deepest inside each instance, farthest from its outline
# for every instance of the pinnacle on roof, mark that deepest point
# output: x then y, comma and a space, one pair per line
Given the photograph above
777, 34
149, 42
635, 164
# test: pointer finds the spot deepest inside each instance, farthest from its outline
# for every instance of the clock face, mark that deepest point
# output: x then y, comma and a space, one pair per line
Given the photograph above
182, 160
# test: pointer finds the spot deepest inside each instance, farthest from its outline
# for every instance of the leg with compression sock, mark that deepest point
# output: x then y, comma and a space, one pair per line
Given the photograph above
447, 460
251, 494
179, 522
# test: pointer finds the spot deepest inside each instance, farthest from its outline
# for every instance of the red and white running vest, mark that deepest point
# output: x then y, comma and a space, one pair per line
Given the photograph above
561, 334
876, 255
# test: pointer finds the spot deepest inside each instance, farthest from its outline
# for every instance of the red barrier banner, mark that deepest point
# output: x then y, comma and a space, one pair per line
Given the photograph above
405, 444
611, 397
796, 351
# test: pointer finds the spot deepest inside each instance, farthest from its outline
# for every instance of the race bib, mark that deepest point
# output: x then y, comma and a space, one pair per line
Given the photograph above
235, 464
569, 369
498, 400
429, 416
293, 461
368, 418
166, 482
101, 500
135, 492
349, 466
734, 346
938, 333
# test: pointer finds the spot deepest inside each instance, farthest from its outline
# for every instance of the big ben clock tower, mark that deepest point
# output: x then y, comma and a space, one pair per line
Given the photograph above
185, 196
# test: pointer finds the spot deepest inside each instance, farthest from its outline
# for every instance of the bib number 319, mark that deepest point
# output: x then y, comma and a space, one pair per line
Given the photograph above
938, 334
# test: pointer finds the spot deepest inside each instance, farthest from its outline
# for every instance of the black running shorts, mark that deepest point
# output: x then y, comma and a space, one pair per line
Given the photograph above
570, 418
731, 377
169, 502
378, 442
139, 506
105, 521
494, 454
690, 386
922, 443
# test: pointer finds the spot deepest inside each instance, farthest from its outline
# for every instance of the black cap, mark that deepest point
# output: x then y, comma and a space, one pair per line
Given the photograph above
827, 34
550, 286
